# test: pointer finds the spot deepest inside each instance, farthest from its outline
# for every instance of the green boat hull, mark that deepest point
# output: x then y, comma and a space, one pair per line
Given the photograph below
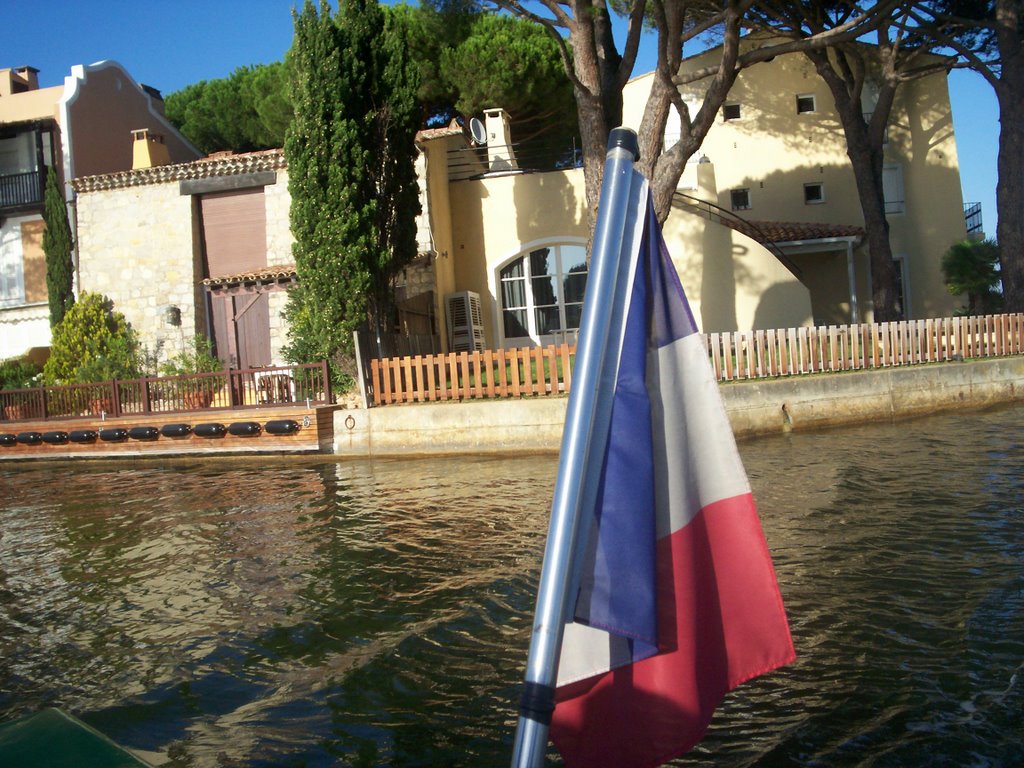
54, 739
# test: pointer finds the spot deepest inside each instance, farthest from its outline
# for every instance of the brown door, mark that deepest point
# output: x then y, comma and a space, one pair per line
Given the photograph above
241, 329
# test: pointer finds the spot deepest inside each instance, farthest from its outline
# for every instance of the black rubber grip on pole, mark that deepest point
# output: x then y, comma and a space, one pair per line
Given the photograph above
626, 139
537, 702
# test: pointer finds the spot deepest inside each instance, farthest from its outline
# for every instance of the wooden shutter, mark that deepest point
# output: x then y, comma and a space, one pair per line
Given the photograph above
234, 231
34, 260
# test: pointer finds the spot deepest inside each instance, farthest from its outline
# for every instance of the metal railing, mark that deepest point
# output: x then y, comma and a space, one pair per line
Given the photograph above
232, 389
524, 157
719, 215
21, 189
972, 218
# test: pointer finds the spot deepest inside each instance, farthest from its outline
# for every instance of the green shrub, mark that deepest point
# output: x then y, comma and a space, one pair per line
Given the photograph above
18, 373
197, 357
92, 343
971, 267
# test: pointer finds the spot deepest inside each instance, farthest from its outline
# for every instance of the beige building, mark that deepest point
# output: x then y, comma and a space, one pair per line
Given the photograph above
766, 229
80, 128
776, 158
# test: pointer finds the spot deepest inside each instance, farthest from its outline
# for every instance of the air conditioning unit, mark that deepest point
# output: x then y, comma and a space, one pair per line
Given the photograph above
465, 321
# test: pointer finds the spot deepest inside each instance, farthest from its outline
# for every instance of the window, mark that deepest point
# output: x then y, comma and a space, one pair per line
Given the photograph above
805, 103
12, 290
740, 199
731, 111
542, 293
814, 193
902, 283
892, 188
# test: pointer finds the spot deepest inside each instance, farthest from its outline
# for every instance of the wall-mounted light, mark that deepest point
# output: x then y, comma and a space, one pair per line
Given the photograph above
172, 315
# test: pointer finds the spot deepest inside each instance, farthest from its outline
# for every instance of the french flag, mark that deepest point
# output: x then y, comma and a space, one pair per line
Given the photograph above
678, 601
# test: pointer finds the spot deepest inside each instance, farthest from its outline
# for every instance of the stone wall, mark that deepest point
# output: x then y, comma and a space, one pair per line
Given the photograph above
754, 408
279, 233
139, 246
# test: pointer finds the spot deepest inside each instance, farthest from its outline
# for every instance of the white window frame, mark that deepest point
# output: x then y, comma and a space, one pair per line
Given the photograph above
893, 190
12, 264
821, 190
566, 331
814, 103
732, 199
728, 105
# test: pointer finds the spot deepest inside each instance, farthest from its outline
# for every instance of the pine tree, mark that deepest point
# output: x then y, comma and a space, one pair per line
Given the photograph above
57, 246
351, 175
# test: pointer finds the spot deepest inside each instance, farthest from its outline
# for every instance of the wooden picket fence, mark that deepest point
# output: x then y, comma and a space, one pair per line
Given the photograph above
738, 355
523, 372
829, 349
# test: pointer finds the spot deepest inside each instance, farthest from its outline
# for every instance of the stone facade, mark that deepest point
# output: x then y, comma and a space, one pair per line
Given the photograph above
140, 244
279, 231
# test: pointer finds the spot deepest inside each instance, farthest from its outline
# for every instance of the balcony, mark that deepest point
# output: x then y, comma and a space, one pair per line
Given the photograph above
972, 219
21, 190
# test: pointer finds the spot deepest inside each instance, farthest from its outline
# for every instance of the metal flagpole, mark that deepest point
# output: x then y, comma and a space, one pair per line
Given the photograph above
587, 420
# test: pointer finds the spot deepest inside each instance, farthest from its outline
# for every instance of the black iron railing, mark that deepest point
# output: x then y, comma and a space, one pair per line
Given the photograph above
719, 215
972, 218
523, 157
21, 189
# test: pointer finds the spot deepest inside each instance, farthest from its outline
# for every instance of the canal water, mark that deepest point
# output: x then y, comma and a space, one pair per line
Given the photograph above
277, 612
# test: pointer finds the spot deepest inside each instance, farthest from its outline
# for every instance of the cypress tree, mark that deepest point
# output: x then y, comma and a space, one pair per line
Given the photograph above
351, 175
57, 248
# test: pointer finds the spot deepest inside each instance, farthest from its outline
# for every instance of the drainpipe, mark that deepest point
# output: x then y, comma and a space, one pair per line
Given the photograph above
854, 314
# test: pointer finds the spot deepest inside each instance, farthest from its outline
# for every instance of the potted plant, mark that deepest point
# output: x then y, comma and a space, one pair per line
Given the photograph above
196, 358
101, 369
18, 373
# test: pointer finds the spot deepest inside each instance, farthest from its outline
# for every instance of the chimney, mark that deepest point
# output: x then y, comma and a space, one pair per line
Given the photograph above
30, 76
500, 156
148, 149
18, 80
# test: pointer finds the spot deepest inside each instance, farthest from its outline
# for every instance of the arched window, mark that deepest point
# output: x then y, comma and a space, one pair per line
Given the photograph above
542, 294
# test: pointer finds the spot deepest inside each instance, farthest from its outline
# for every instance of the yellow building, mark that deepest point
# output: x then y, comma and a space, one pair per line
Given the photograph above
777, 158
80, 128
766, 229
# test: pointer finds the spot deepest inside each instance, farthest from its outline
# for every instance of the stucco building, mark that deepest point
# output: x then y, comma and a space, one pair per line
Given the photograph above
80, 128
777, 159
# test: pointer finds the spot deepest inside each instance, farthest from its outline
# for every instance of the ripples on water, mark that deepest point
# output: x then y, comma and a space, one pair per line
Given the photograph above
310, 613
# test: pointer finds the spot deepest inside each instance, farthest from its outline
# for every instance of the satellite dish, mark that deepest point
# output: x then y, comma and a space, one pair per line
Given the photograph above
477, 131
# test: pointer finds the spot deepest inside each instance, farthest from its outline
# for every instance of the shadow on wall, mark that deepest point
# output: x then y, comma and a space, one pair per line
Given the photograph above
780, 294
550, 205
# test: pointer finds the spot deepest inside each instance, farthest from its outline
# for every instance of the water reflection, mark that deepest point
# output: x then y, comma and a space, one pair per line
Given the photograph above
377, 613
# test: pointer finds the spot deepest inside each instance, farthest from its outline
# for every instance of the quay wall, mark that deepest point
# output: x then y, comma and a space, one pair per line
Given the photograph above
754, 407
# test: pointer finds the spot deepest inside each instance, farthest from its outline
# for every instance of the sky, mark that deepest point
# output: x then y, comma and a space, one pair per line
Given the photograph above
171, 45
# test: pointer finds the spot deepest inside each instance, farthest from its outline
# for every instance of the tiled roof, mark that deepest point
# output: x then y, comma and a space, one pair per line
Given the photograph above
452, 129
794, 232
438, 133
262, 275
215, 165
